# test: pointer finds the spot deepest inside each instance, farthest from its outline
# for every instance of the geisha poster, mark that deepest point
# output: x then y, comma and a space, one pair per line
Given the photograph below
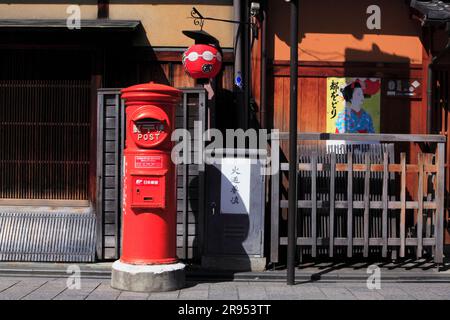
353, 105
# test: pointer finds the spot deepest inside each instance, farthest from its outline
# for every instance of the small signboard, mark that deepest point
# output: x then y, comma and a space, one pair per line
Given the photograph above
403, 88
235, 186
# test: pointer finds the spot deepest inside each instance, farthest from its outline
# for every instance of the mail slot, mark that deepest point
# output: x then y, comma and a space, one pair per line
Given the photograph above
148, 192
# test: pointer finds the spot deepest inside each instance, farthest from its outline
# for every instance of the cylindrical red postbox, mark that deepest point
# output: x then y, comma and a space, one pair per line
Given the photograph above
149, 186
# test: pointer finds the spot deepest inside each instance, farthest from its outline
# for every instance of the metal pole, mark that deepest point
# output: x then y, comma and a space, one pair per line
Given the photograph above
247, 65
292, 213
237, 39
263, 119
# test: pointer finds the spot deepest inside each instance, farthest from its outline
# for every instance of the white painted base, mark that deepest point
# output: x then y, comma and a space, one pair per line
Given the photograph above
147, 278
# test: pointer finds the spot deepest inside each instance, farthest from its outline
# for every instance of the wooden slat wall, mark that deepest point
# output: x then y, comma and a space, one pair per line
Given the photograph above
109, 198
191, 109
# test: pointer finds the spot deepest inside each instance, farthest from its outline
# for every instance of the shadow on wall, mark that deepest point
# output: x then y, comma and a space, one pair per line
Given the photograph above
347, 18
126, 66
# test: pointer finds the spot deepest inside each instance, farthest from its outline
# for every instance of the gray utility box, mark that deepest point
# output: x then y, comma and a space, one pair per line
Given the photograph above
234, 211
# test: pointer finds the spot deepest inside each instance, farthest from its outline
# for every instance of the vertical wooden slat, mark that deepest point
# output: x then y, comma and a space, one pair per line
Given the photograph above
100, 176
385, 204
314, 204
118, 173
440, 194
122, 147
275, 209
366, 205
350, 204
403, 204
420, 209
186, 156
332, 201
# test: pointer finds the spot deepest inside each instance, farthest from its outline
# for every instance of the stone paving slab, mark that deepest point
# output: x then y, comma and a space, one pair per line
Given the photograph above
87, 286
189, 294
337, 293
22, 288
126, 295
48, 291
7, 283
252, 293
218, 293
104, 292
173, 295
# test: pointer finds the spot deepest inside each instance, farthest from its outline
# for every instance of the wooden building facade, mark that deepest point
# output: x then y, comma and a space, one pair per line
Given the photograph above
395, 41
61, 129
61, 121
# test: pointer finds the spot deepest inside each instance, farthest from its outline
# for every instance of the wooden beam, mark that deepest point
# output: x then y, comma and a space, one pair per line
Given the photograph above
367, 137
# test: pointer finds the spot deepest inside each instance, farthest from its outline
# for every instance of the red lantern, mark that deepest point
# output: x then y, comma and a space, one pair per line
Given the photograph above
202, 61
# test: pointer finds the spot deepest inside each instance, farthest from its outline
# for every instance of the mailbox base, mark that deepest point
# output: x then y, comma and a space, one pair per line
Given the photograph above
147, 278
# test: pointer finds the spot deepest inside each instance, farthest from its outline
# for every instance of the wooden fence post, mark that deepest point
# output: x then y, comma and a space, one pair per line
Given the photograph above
275, 200
332, 200
403, 204
366, 205
420, 210
440, 194
350, 204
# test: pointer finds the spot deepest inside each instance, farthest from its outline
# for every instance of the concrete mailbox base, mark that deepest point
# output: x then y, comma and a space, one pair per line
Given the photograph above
147, 278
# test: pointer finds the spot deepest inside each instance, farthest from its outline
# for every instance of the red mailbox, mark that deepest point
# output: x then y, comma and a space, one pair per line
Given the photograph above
149, 188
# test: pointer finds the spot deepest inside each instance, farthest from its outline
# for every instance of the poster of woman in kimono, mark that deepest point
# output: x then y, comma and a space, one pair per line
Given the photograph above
353, 105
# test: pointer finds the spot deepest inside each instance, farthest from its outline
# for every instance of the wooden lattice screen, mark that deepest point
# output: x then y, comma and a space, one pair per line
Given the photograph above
44, 139
349, 219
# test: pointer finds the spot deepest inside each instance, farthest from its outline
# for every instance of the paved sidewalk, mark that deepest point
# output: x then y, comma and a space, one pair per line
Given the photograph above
423, 271
40, 288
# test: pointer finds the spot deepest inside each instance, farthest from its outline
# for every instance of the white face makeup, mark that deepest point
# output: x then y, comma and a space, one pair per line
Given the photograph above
357, 99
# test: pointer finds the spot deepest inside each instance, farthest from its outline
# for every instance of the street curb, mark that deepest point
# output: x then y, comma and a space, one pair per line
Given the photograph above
218, 276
